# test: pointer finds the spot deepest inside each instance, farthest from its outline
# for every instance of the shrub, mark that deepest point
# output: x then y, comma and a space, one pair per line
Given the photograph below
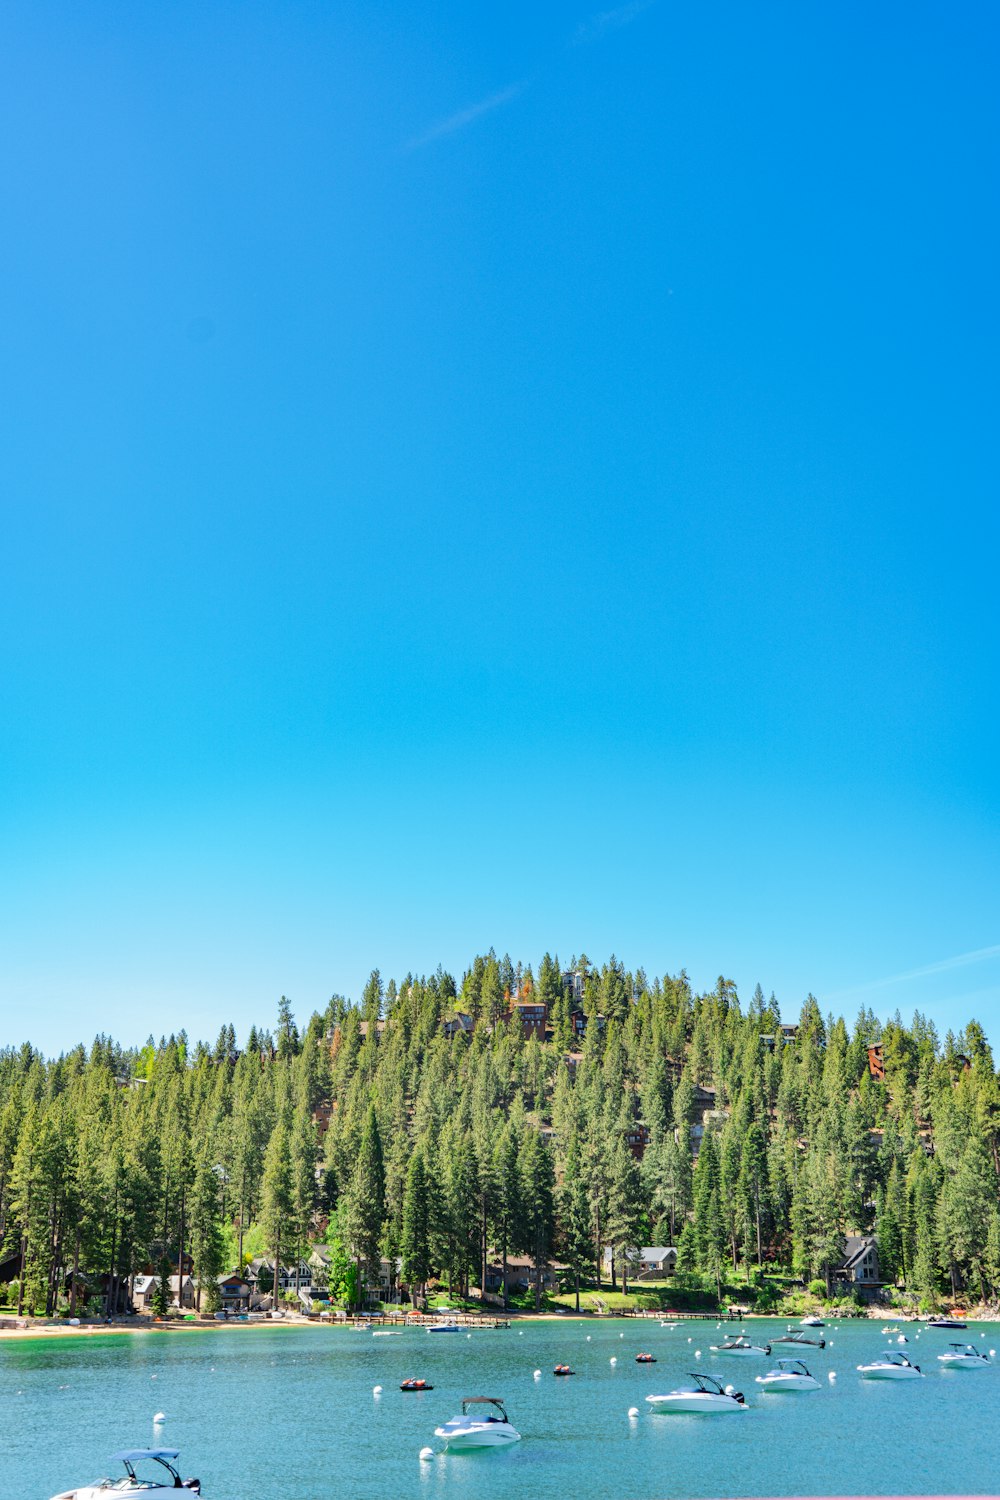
817, 1288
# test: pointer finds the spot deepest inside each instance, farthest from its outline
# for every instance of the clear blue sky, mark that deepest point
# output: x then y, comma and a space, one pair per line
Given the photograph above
496, 478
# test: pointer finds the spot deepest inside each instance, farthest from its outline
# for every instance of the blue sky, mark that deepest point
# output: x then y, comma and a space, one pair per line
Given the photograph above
512, 479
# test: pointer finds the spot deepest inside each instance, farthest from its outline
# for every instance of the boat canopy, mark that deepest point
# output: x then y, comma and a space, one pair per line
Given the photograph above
133, 1455
485, 1401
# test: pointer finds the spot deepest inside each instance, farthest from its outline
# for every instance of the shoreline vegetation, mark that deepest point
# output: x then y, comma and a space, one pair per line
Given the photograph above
506, 1144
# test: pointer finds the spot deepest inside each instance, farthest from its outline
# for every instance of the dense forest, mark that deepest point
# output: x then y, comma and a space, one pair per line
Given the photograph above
543, 1113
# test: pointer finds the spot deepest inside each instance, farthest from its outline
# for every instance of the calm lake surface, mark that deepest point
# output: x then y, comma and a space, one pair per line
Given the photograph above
288, 1414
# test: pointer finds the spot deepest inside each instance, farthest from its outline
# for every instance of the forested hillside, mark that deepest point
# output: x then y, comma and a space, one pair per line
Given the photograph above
451, 1123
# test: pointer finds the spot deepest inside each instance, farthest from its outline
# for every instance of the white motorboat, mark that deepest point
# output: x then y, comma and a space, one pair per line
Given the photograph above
741, 1347
942, 1322
788, 1375
483, 1424
892, 1366
443, 1327
964, 1357
800, 1338
132, 1486
812, 1321
706, 1396
665, 1324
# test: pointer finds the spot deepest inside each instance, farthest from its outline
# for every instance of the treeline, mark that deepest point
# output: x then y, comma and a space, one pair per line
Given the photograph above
394, 1129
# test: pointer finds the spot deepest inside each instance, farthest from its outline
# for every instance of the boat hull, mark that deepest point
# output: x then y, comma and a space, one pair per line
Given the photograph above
779, 1383
694, 1403
483, 1435
753, 1352
963, 1362
889, 1372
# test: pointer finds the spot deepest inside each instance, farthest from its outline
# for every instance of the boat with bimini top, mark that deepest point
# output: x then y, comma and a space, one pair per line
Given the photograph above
133, 1486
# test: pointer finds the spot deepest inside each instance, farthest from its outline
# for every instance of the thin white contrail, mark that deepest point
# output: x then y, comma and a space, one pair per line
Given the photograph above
943, 966
465, 117
609, 20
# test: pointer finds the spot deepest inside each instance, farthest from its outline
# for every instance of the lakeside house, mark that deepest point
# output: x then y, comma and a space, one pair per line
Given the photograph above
182, 1292
858, 1269
521, 1275
645, 1263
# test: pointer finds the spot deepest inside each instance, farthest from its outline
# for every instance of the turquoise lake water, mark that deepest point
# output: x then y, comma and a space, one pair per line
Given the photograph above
288, 1414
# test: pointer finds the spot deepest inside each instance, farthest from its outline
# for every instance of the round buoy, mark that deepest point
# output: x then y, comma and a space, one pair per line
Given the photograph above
697, 1354
161, 1416
832, 1376
613, 1360
621, 1335
633, 1411
689, 1340
426, 1453
376, 1390
588, 1338
538, 1374
729, 1389
992, 1353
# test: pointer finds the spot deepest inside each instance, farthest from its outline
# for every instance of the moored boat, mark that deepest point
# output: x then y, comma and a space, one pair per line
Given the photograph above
964, 1357
892, 1366
742, 1348
134, 1486
788, 1375
483, 1423
706, 1396
801, 1339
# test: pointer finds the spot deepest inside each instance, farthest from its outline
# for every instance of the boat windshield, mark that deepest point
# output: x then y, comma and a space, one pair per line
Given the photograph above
708, 1383
792, 1367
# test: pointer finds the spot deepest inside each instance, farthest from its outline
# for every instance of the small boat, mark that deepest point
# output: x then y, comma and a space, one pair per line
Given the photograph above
665, 1324
645, 1359
415, 1385
443, 1327
386, 1333
707, 1396
964, 1357
799, 1337
563, 1370
945, 1323
742, 1347
892, 1366
476, 1428
788, 1375
132, 1486
812, 1321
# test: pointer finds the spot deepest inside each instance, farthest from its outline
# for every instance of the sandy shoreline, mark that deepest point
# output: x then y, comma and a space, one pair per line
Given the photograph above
47, 1330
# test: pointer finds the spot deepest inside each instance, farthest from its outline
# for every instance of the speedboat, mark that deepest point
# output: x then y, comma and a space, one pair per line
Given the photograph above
707, 1395
945, 1323
741, 1346
892, 1366
483, 1424
964, 1357
788, 1375
132, 1486
799, 1337
812, 1321
443, 1328
665, 1324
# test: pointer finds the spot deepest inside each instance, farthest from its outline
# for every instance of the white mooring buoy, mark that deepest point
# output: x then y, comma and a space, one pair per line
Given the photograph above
160, 1416
426, 1454
633, 1411
376, 1390
613, 1360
